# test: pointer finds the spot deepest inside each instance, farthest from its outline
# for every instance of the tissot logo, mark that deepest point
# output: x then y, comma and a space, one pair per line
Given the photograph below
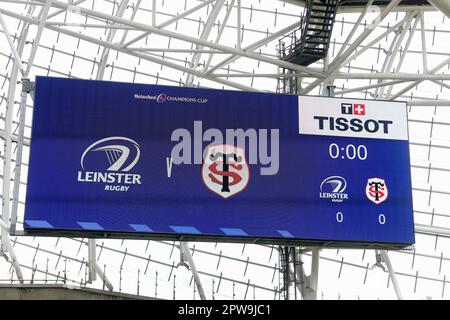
353, 124
352, 118
108, 161
358, 109
333, 188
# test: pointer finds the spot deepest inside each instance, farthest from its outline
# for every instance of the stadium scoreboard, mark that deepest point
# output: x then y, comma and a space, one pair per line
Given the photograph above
161, 162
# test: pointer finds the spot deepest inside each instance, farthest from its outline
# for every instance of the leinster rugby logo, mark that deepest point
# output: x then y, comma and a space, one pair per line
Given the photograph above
109, 161
333, 188
376, 190
225, 170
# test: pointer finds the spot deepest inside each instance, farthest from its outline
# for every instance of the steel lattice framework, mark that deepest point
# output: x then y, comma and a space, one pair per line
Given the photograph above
391, 52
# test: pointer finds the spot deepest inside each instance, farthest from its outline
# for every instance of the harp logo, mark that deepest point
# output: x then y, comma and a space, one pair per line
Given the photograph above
109, 161
333, 188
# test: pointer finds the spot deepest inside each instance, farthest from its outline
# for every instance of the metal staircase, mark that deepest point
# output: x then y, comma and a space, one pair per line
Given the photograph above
315, 33
309, 43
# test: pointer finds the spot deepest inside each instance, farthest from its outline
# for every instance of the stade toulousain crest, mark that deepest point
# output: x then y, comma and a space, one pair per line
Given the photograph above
225, 170
376, 190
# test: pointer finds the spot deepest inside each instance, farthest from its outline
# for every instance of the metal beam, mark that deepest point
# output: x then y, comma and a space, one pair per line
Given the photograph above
415, 83
54, 14
176, 50
186, 252
204, 36
429, 103
387, 260
4, 226
110, 38
311, 291
153, 13
37, 38
6, 191
442, 5
171, 34
398, 76
392, 54
16, 55
194, 40
92, 261
357, 9
441, 83
26, 88
14, 261
355, 27
405, 51
129, 52
14, 138
344, 75
238, 26
368, 46
255, 46
424, 43
219, 34
370, 86
341, 60
425, 229
169, 22
307, 285
103, 277
133, 15
92, 256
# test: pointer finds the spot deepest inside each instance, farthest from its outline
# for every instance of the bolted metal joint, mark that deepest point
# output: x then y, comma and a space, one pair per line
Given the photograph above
27, 85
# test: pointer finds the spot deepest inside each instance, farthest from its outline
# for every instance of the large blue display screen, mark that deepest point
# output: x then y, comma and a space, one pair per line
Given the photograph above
124, 159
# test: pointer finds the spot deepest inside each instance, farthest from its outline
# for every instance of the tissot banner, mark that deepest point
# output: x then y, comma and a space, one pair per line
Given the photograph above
153, 160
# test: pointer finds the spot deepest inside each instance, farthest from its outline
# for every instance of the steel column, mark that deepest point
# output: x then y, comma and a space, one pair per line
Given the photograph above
92, 260
386, 259
92, 256
187, 254
219, 35
20, 143
238, 22
405, 51
110, 38
43, 20
204, 36
5, 240
392, 54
